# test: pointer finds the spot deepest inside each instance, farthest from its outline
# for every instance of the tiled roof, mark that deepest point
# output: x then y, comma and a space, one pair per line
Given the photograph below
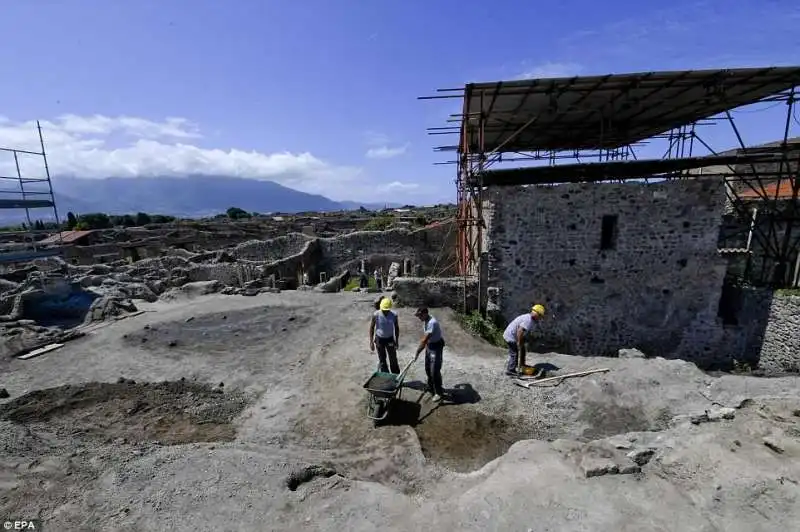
67, 237
784, 192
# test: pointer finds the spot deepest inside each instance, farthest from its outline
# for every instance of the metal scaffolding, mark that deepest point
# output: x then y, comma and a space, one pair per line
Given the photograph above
600, 122
25, 193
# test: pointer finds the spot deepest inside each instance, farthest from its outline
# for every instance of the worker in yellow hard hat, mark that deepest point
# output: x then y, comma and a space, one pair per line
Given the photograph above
384, 333
516, 333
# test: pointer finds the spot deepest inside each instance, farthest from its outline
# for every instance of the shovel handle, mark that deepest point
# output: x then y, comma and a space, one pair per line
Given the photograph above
405, 369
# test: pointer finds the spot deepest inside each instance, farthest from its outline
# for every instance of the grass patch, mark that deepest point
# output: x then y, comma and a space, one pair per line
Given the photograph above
482, 327
379, 223
355, 282
787, 292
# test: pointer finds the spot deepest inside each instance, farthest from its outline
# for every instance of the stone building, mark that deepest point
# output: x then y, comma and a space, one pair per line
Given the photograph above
618, 265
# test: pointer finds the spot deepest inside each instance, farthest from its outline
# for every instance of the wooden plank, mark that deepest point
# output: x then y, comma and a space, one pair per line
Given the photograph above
132, 314
40, 351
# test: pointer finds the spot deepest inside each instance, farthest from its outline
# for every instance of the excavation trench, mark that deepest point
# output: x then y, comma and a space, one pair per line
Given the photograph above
127, 412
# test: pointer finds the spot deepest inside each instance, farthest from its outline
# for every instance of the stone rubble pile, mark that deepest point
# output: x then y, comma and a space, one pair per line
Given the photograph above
41, 305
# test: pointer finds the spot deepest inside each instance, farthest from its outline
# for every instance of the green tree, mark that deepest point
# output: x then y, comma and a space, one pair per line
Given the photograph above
161, 219
142, 218
96, 220
235, 213
71, 221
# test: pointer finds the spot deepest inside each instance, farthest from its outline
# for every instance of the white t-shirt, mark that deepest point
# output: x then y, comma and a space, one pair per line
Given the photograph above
433, 328
523, 320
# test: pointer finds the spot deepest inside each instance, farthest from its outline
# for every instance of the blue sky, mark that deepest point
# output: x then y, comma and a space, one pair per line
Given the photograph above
321, 95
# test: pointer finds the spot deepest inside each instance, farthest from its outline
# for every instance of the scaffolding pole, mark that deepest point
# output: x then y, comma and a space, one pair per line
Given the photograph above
27, 197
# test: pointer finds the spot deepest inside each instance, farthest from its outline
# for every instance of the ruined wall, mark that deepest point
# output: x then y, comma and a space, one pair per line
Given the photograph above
270, 250
432, 248
309, 259
87, 255
434, 292
656, 288
231, 274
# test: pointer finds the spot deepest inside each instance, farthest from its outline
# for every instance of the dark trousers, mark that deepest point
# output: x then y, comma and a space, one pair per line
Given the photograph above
514, 357
433, 367
387, 349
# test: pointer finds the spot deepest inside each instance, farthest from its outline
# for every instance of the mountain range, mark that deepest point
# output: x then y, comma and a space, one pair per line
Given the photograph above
189, 197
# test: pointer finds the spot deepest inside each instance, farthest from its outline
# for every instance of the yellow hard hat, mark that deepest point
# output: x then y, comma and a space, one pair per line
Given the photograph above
386, 303
538, 309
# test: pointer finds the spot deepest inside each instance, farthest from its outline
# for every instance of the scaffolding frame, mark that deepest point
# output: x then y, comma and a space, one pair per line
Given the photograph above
678, 103
23, 198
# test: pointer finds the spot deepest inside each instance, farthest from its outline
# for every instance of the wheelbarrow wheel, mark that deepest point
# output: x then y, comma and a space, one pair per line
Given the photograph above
380, 409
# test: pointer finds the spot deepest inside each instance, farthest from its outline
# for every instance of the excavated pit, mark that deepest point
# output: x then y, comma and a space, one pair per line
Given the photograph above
465, 440
127, 412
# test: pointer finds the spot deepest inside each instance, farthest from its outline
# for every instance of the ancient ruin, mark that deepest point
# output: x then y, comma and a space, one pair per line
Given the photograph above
209, 374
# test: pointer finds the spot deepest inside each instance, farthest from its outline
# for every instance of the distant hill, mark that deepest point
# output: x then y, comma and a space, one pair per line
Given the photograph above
190, 197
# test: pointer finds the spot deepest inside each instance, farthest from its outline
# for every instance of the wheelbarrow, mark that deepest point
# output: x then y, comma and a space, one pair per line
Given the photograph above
383, 388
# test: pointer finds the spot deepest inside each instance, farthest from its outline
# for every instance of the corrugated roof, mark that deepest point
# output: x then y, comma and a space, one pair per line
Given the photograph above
589, 112
67, 237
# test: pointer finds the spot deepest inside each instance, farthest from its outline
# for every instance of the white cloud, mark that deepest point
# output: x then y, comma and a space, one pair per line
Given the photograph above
380, 146
551, 70
101, 146
397, 186
386, 152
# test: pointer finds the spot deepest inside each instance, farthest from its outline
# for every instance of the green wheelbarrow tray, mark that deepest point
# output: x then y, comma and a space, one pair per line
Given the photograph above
383, 385
383, 388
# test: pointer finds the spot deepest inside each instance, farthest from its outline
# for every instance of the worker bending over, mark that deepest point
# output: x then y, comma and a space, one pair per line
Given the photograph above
384, 332
433, 343
515, 334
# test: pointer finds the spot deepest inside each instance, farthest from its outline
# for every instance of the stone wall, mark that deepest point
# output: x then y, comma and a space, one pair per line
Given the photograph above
656, 287
309, 260
765, 330
434, 292
780, 351
431, 248
87, 255
230, 274
270, 250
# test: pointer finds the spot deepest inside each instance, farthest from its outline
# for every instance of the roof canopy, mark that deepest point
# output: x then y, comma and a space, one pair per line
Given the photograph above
593, 172
610, 111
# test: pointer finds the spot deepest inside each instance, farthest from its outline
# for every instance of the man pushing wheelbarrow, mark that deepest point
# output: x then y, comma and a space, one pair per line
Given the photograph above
383, 387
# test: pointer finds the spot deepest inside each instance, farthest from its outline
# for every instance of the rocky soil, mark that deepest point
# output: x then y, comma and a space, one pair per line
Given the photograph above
215, 412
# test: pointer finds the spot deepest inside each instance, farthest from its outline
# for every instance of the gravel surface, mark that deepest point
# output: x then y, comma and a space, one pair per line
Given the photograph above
233, 413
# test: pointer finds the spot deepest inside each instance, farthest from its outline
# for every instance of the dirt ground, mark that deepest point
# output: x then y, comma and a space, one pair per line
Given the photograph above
235, 413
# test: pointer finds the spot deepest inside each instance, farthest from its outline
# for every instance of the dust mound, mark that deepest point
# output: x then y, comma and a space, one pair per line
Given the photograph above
167, 412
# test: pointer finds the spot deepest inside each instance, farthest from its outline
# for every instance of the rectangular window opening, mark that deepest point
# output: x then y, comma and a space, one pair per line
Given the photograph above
608, 232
